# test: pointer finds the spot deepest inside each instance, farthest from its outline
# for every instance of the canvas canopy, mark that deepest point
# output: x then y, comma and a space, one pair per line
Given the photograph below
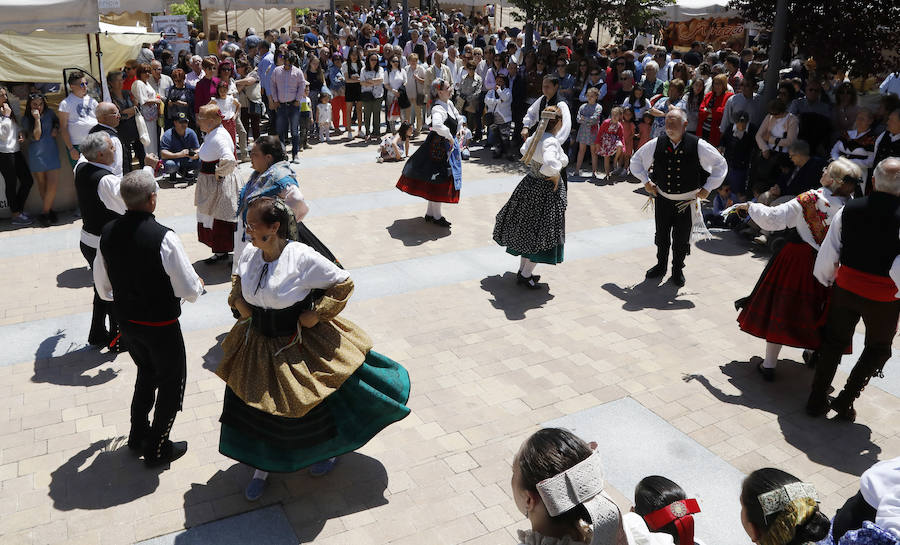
41, 56
257, 18
684, 10
54, 16
255, 4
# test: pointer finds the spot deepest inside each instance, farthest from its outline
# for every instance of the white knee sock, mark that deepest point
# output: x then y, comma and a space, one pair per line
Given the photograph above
772, 351
259, 474
436, 210
429, 211
528, 268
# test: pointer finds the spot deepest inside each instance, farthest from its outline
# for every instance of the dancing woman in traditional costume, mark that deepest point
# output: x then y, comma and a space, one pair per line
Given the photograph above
532, 224
303, 385
216, 192
787, 305
434, 172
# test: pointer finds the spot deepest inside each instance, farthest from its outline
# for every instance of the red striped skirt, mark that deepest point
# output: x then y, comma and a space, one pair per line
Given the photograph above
220, 238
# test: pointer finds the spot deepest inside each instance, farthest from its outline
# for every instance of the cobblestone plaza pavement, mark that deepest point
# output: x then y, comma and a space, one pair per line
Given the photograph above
660, 377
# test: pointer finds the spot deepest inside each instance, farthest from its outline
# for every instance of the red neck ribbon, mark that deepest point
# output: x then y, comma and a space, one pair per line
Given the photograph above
678, 512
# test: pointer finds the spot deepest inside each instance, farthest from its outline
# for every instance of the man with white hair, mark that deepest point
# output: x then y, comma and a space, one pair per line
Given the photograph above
684, 168
159, 81
143, 269
196, 73
861, 257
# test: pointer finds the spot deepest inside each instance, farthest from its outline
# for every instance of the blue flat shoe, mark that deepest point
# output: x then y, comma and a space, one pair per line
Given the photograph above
319, 469
255, 489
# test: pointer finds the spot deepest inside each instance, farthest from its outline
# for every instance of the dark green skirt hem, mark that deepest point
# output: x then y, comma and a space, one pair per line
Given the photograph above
373, 398
550, 256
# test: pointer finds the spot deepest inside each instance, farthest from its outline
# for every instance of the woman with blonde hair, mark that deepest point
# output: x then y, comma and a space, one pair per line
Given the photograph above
216, 195
712, 109
787, 306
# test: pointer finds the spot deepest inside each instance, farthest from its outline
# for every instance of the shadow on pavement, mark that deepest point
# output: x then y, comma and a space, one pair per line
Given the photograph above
846, 447
79, 277
649, 294
113, 477
416, 231
357, 483
70, 368
214, 355
215, 274
514, 300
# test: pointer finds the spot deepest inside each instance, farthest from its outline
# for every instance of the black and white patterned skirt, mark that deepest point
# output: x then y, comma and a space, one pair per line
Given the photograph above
533, 220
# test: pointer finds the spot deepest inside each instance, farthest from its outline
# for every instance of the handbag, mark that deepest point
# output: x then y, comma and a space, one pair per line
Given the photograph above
143, 133
367, 96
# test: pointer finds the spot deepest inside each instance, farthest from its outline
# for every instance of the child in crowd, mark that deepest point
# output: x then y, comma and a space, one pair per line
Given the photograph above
723, 199
230, 108
305, 119
464, 135
389, 150
645, 127
323, 114
637, 101
610, 139
737, 146
628, 129
588, 124
778, 509
665, 509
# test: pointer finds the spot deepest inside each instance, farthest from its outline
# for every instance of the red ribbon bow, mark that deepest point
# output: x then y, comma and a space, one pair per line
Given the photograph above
678, 512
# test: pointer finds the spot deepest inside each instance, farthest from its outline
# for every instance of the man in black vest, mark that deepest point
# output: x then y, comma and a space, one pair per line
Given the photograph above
684, 168
886, 145
861, 256
97, 189
107, 121
143, 269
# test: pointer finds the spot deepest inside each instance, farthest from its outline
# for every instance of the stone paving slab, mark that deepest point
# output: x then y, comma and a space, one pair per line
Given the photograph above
269, 525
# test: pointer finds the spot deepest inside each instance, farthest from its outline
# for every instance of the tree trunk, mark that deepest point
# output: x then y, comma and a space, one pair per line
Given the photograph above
587, 36
776, 51
529, 32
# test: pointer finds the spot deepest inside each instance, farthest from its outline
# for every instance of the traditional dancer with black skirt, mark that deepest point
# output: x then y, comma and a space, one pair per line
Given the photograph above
303, 385
787, 305
532, 224
216, 193
434, 172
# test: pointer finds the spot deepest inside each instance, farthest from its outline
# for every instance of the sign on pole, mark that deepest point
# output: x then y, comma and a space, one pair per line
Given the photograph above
174, 29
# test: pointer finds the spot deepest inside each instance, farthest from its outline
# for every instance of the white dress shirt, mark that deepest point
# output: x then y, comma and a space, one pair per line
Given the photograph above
891, 84
861, 156
533, 115
710, 159
790, 214
109, 190
829, 258
440, 111
288, 279
548, 153
185, 282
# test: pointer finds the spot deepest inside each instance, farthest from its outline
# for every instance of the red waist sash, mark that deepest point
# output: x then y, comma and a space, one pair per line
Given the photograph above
870, 286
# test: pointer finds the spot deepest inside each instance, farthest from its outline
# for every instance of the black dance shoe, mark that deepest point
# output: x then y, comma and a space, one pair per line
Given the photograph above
167, 454
678, 277
537, 277
428, 219
441, 222
657, 271
817, 407
767, 373
530, 282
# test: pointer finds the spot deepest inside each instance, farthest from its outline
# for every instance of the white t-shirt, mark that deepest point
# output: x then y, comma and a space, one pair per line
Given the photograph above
227, 106
217, 145
81, 116
288, 279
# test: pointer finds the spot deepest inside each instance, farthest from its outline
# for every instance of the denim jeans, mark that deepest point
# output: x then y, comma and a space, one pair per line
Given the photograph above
181, 166
288, 117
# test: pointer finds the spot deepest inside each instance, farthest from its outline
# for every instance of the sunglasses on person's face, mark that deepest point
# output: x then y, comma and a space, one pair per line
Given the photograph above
83, 84
223, 69
595, 73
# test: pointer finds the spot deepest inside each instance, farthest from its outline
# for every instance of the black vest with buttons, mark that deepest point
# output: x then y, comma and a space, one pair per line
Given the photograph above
678, 170
142, 290
869, 228
94, 214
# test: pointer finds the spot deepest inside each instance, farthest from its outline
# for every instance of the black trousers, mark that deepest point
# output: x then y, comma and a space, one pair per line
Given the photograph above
128, 156
844, 313
17, 178
102, 309
673, 230
160, 357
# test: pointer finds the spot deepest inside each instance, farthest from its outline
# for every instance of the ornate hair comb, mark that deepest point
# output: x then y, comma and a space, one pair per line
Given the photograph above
776, 500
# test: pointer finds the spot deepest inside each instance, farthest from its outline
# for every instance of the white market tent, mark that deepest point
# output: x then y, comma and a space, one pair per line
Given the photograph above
684, 10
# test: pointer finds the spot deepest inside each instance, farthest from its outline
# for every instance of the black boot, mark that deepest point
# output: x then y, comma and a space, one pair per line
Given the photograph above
856, 383
678, 256
662, 257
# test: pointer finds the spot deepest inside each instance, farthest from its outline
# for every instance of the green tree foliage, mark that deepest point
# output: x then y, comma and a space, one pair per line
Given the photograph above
191, 8
619, 16
843, 33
